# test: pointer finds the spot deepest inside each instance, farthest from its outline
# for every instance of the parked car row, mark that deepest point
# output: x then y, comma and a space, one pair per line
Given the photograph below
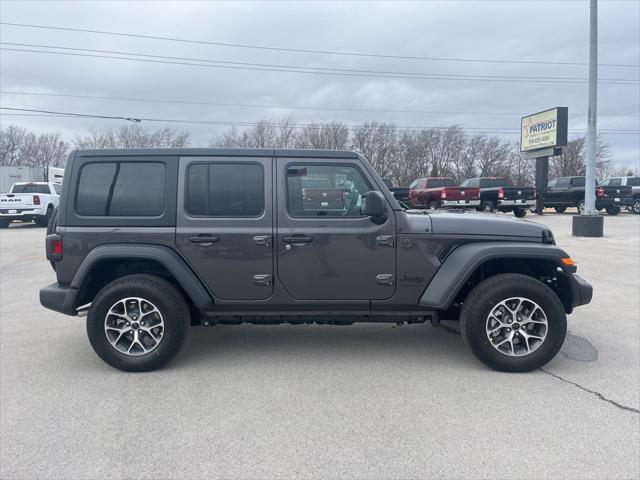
612, 194
490, 194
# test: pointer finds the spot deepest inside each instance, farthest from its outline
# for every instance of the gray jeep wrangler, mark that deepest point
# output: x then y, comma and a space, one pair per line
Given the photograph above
147, 243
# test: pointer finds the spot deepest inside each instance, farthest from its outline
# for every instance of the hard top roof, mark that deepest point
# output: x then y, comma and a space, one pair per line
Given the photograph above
220, 152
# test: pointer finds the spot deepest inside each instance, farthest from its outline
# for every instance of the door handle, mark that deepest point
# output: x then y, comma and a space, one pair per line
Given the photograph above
204, 239
262, 240
385, 241
297, 239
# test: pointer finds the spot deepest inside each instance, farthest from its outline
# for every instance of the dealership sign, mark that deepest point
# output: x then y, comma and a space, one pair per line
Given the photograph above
546, 129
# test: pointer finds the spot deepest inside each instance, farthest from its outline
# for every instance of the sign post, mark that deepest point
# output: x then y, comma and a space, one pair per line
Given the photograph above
543, 135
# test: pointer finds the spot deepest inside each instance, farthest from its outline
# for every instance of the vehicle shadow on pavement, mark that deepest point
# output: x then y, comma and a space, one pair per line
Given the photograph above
364, 341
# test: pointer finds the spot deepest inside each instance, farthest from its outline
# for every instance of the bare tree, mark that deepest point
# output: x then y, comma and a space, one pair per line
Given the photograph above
377, 142
133, 136
330, 136
15, 144
573, 159
48, 150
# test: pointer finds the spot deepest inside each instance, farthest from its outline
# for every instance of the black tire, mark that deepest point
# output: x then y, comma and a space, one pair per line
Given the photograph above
560, 209
635, 207
580, 207
166, 298
488, 206
44, 221
519, 212
4, 222
434, 205
486, 295
612, 210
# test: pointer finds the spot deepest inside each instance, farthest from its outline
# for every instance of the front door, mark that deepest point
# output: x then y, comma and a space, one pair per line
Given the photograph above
326, 249
225, 224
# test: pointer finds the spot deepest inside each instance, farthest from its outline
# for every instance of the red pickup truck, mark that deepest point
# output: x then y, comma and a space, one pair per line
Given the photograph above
437, 192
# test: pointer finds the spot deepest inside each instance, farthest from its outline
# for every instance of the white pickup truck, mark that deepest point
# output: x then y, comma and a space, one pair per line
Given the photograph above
29, 201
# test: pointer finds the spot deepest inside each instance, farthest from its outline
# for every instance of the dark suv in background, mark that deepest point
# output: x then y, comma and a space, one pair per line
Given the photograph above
149, 242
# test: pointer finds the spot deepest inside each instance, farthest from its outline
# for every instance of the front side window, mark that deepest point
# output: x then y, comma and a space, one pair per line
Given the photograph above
225, 190
325, 191
121, 189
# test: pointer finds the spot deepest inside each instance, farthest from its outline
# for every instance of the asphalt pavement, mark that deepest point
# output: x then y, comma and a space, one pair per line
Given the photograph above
361, 401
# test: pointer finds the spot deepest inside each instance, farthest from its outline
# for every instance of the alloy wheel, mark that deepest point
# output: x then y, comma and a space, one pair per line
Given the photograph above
516, 327
134, 326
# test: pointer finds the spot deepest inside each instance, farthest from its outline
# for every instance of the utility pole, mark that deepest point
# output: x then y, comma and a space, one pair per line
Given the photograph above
590, 224
590, 181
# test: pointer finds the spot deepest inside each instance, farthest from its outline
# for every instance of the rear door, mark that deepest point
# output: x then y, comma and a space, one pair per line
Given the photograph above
326, 249
225, 224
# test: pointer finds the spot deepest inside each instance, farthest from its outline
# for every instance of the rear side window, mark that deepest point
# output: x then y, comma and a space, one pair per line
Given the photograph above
30, 188
578, 182
225, 190
121, 189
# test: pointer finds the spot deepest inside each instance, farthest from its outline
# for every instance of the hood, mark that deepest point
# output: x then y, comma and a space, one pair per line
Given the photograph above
478, 223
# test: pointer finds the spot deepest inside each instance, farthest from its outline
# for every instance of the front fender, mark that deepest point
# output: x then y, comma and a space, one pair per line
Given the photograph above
465, 259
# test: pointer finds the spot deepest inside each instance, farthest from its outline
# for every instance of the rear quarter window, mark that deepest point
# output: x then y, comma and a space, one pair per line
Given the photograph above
121, 189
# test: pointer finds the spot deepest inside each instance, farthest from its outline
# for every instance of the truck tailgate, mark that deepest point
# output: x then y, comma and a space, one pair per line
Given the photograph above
461, 193
16, 201
519, 193
620, 191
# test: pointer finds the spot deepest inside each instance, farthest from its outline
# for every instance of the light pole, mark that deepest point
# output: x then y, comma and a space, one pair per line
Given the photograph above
589, 223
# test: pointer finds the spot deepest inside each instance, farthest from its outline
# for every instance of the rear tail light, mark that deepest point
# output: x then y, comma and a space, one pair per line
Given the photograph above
36, 200
501, 193
600, 192
57, 247
54, 247
443, 195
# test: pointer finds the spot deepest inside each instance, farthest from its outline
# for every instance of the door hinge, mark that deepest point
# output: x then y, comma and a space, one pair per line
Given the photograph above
385, 241
386, 279
262, 279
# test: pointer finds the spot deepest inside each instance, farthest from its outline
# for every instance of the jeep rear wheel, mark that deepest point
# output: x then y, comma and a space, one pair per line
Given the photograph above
138, 322
513, 323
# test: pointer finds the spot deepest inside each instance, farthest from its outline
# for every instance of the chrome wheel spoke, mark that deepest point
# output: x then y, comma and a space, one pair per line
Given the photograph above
134, 326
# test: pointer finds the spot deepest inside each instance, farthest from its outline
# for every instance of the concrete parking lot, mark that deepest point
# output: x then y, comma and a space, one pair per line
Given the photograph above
365, 401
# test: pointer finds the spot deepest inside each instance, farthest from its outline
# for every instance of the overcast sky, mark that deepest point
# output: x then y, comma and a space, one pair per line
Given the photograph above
546, 31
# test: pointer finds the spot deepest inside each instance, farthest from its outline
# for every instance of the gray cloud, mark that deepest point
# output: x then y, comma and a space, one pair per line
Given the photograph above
550, 31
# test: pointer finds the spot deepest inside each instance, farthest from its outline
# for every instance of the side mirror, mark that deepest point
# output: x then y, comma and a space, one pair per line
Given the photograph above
375, 205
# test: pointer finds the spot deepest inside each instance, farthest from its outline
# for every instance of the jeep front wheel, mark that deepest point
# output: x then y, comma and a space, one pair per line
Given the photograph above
513, 323
138, 322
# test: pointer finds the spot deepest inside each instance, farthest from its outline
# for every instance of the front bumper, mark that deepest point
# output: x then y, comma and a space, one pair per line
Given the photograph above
460, 203
581, 290
59, 298
517, 203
